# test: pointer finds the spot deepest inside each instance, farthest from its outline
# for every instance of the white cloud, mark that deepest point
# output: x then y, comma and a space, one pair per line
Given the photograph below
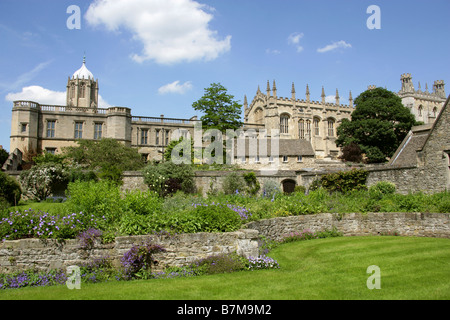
335, 45
330, 99
45, 96
170, 31
175, 87
294, 39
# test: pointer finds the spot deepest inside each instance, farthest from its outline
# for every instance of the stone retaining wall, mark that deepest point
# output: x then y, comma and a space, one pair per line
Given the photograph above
357, 224
184, 249
181, 250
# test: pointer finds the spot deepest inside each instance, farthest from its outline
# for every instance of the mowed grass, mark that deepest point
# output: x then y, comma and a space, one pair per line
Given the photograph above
322, 269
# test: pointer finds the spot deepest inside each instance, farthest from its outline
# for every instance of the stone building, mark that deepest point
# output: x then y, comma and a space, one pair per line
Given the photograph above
424, 105
315, 122
422, 161
36, 127
305, 130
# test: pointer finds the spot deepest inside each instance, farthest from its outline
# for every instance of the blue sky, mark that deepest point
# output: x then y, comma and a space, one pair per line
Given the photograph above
157, 57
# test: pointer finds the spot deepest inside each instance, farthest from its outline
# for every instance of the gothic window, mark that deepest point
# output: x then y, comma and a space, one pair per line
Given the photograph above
316, 127
284, 123
434, 112
98, 131
83, 90
144, 136
78, 130
301, 129
330, 127
72, 91
51, 128
308, 129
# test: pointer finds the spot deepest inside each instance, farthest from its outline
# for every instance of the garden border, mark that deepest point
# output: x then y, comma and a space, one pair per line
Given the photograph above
183, 249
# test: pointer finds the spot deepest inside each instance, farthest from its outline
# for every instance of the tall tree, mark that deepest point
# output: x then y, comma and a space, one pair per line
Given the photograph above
378, 124
219, 109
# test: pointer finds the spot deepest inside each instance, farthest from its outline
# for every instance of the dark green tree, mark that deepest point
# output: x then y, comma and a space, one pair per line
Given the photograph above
378, 125
219, 109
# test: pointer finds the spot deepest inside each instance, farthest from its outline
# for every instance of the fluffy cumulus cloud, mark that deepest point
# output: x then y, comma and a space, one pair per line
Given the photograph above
45, 96
335, 45
170, 31
294, 39
175, 87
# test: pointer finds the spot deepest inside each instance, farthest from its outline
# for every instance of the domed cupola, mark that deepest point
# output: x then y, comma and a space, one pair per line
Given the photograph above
83, 72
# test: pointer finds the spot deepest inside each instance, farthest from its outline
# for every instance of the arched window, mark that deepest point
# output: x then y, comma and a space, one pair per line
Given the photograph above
284, 123
308, 129
316, 126
331, 123
83, 90
72, 91
301, 129
434, 112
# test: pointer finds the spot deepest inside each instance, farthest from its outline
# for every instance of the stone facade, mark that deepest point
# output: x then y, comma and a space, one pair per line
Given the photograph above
313, 121
424, 105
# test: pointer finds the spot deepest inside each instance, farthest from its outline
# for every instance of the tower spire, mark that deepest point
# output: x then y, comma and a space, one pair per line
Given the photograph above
307, 93
323, 95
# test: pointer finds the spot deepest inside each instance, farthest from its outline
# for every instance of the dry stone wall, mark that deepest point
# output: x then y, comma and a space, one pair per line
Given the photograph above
357, 224
183, 249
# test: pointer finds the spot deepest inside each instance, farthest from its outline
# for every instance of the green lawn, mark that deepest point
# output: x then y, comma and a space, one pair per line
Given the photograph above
329, 269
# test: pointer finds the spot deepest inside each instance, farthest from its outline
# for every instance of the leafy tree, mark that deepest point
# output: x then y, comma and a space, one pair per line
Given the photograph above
183, 144
221, 112
107, 155
378, 124
3, 156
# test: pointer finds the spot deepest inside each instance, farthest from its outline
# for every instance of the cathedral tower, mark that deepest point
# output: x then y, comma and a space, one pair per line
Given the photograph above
82, 89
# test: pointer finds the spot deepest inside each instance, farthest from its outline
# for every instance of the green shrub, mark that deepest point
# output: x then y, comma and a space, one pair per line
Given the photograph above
253, 185
383, 187
216, 218
102, 198
234, 183
345, 181
300, 189
41, 181
141, 202
271, 188
167, 178
221, 263
10, 190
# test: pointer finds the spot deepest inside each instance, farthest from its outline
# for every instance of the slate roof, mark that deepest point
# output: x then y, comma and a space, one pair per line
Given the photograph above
414, 140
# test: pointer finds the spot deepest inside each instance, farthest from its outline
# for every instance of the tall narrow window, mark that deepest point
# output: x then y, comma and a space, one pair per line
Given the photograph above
301, 129
78, 130
98, 131
420, 110
51, 128
167, 132
157, 138
316, 126
284, 123
83, 90
72, 91
330, 127
308, 130
434, 112
144, 136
